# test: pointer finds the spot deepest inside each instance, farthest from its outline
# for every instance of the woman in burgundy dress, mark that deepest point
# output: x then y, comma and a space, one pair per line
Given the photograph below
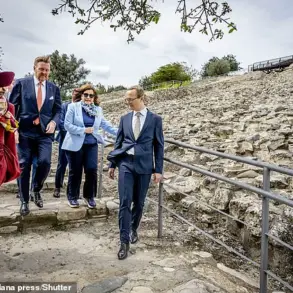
9, 166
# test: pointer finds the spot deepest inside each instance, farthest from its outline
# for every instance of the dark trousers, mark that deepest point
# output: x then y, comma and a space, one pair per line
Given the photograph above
86, 158
41, 148
132, 188
35, 161
62, 164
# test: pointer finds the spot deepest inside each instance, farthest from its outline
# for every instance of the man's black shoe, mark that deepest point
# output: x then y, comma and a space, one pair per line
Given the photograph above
38, 199
123, 251
24, 209
56, 193
133, 237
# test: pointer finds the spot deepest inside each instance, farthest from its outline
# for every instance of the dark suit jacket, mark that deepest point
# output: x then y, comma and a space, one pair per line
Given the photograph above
23, 97
148, 148
62, 132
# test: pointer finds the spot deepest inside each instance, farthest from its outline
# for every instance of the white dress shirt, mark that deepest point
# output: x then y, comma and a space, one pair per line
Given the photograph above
142, 118
36, 82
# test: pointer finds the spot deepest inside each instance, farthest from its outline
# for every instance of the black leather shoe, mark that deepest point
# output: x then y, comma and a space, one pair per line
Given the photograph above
24, 209
123, 251
56, 192
133, 237
38, 199
31, 196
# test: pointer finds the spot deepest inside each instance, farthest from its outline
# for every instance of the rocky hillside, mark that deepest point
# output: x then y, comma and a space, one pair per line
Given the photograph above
249, 115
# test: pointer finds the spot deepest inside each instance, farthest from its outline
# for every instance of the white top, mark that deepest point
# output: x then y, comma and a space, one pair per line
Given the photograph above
142, 118
36, 82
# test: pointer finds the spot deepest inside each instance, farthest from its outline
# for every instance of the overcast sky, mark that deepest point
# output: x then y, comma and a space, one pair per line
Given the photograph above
264, 31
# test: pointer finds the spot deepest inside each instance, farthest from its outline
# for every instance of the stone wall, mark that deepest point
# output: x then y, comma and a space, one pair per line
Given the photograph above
249, 115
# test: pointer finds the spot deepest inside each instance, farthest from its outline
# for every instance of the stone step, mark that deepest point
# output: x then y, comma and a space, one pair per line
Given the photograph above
54, 212
49, 185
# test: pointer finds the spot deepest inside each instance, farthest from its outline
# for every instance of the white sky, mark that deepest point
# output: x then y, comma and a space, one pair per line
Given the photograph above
264, 31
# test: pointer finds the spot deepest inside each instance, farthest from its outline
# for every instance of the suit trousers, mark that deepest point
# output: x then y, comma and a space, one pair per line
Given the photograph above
28, 148
35, 161
62, 163
132, 188
87, 158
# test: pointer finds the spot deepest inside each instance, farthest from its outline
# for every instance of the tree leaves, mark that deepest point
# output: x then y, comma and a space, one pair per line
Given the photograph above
134, 16
178, 71
67, 72
216, 66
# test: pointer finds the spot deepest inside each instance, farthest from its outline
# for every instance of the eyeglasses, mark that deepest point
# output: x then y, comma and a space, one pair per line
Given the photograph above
88, 95
130, 99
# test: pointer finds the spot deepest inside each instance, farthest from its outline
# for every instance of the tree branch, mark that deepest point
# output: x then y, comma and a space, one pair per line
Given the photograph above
135, 16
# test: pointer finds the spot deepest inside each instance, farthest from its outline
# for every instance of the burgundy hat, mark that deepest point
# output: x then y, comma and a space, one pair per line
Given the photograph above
6, 78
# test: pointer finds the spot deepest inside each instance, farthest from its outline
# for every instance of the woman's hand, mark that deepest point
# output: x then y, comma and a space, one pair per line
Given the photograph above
89, 130
16, 136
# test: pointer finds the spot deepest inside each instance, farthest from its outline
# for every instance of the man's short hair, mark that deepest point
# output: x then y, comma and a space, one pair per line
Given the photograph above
139, 90
45, 59
140, 93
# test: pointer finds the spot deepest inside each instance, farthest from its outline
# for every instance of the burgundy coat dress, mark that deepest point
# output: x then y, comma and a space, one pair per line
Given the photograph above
9, 165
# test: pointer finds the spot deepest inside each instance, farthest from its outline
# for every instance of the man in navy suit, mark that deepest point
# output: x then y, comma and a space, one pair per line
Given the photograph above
37, 105
138, 153
62, 159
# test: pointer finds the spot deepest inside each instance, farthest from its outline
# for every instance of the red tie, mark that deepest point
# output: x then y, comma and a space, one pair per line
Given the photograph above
39, 102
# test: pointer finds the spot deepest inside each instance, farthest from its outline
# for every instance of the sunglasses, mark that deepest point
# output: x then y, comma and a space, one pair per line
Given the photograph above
89, 95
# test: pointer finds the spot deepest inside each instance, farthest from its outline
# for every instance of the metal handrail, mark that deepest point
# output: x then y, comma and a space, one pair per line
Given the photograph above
266, 196
232, 157
246, 186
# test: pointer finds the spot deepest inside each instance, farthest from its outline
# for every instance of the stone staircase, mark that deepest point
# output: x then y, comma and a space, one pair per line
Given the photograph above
55, 211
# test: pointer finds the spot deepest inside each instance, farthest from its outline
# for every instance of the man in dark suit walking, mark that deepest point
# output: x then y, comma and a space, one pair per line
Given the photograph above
37, 105
138, 153
62, 159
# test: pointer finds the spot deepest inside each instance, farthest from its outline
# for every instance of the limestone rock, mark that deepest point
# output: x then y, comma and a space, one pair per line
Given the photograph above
69, 214
248, 174
169, 262
141, 289
196, 286
222, 198
105, 286
238, 275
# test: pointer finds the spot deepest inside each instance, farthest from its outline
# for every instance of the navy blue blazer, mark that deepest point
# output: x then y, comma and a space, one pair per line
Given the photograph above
148, 148
62, 131
23, 97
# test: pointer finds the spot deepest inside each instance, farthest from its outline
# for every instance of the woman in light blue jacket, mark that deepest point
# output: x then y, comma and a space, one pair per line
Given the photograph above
82, 122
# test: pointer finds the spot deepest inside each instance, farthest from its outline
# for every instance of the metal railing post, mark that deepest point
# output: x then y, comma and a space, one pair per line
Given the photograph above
264, 232
160, 210
100, 185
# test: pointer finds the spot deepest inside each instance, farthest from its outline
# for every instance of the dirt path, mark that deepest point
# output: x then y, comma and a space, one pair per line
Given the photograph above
86, 254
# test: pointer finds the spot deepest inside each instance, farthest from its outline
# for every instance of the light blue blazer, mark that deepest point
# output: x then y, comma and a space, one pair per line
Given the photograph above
73, 124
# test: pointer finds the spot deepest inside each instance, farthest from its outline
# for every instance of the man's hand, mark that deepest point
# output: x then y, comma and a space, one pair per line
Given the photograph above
51, 127
157, 177
89, 130
16, 136
111, 173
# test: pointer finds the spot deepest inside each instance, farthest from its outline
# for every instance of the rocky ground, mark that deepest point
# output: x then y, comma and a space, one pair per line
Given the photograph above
86, 254
249, 115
